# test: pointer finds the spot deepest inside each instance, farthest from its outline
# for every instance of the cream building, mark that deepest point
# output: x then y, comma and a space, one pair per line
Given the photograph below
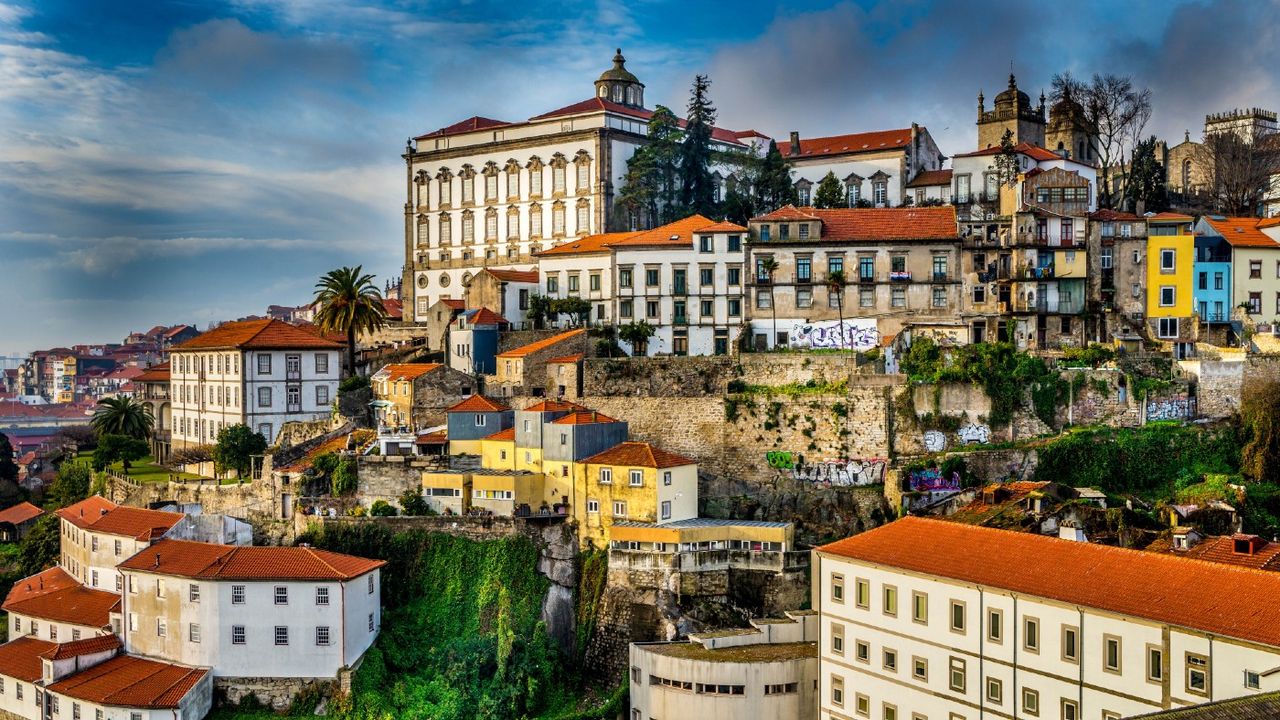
875, 169
54, 606
485, 192
97, 535
928, 619
766, 672
260, 373
251, 611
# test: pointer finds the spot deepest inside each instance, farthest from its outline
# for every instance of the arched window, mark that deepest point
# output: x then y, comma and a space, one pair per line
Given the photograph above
604, 91
1186, 175
631, 96
557, 174
617, 93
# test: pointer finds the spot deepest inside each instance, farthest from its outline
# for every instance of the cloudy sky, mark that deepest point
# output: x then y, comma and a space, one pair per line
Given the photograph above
188, 161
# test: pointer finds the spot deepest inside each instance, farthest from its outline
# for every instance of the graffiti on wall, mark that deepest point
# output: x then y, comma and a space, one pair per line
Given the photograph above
945, 336
932, 480
859, 334
837, 472
974, 433
935, 441
1171, 409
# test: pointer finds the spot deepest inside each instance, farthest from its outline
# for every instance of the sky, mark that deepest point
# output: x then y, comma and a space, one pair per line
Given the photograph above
189, 162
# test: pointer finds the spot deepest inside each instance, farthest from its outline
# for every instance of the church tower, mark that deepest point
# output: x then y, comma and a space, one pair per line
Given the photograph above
1068, 131
617, 84
1012, 111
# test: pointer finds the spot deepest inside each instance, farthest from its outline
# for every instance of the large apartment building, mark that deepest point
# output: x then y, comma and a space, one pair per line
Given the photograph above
260, 373
934, 620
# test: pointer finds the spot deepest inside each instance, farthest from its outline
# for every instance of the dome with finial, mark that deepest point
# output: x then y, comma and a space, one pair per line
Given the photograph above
619, 85
1013, 97
619, 70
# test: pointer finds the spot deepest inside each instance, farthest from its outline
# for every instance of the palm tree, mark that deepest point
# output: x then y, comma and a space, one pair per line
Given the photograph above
836, 284
350, 304
770, 266
123, 416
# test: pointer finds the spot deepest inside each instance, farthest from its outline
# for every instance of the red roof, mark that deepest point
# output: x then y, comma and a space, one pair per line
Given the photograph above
638, 454
876, 224
724, 226
97, 514
471, 124
57, 596
583, 417
207, 561
508, 275
158, 373
928, 178
133, 682
22, 512
502, 435
1265, 555
1269, 222
455, 304
533, 347
1109, 215
1242, 232
1169, 217
485, 316
673, 234
394, 308
1035, 152
477, 403
1164, 588
596, 104
86, 646
554, 406
565, 359
438, 437
20, 659
405, 371
589, 244
852, 143
265, 334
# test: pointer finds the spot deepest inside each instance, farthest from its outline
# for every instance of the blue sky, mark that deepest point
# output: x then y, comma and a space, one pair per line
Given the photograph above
187, 161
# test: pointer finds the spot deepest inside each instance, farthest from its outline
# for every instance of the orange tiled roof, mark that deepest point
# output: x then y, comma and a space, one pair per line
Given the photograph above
87, 646
1269, 222
787, 213
266, 334
1222, 550
55, 595
455, 304
638, 454
595, 104
20, 513
583, 417
875, 224
438, 437
405, 371
97, 514
477, 403
1169, 217
127, 681
158, 373
927, 178
852, 143
724, 226
566, 359
484, 316
1242, 232
394, 308
555, 406
1107, 214
185, 558
502, 435
20, 659
471, 124
533, 347
586, 245
678, 233
1035, 152
1174, 590
509, 275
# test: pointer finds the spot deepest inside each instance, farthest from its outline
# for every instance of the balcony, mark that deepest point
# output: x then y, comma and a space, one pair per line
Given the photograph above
1041, 272
679, 289
1216, 317
866, 278
941, 276
1047, 305
680, 320
900, 276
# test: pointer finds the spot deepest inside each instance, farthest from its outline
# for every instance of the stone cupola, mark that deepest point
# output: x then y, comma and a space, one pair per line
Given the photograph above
617, 84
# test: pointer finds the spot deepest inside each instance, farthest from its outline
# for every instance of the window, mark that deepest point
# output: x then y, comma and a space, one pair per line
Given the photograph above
636, 478
1197, 674
1252, 680
804, 269
880, 191
939, 297
193, 632
619, 509
706, 243
1255, 269
1155, 663
1168, 295
1168, 260
837, 690
890, 712
1031, 634
1255, 303
890, 596
866, 296
862, 651
837, 588
920, 607
624, 277
593, 506
866, 269
369, 585
979, 294
606, 476
956, 675
193, 592
651, 277
237, 634
863, 593
1110, 651
117, 548
1070, 710
1070, 644
735, 276
957, 616
1030, 701
322, 596
837, 638
665, 510
480, 420
1167, 327
763, 299
920, 669
890, 659
861, 705
322, 395
1107, 257
898, 297
322, 635
282, 595
835, 264
53, 631
995, 690
264, 364
264, 397
282, 634
573, 282
626, 309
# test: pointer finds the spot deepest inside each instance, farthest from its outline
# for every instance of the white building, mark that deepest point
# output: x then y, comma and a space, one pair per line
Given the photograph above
260, 373
766, 672
485, 192
940, 620
54, 606
97, 535
872, 167
256, 612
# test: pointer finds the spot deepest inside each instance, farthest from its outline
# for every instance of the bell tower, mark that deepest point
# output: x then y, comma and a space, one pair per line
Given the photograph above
618, 85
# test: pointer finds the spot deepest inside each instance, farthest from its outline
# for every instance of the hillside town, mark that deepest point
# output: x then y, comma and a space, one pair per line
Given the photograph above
666, 420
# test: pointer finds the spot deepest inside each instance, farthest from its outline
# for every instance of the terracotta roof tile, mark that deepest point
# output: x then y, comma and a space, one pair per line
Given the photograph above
1167, 589
678, 233
133, 682
1222, 550
874, 141
439, 437
638, 454
55, 595
787, 213
266, 334
1035, 152
20, 513
508, 435
566, 359
158, 373
477, 403
455, 304
1107, 214
20, 659
509, 275
1242, 232
1269, 222
332, 445
875, 224
585, 245
87, 646
405, 371
724, 226
471, 124
97, 514
394, 308
555, 406
929, 178
484, 316
185, 558
1250, 707
596, 104
533, 347
583, 417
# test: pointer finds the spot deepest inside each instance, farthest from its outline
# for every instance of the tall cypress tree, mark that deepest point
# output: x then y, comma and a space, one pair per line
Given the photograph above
697, 190
651, 184
774, 187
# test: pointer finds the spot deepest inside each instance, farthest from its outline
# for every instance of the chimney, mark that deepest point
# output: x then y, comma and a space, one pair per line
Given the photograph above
795, 143
157, 560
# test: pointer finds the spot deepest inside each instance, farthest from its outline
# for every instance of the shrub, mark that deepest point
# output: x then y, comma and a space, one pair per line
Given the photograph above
355, 382
382, 508
412, 503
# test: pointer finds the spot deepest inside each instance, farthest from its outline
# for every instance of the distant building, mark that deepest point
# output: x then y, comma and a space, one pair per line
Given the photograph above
875, 169
507, 291
522, 370
53, 605
15, 521
415, 395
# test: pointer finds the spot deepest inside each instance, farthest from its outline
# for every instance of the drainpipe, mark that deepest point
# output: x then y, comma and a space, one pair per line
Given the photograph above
982, 653
1080, 661
1017, 700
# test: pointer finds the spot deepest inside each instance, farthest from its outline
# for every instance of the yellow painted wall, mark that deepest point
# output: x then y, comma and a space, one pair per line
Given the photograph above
703, 534
498, 454
529, 459
642, 502
1184, 259
466, 447
1070, 263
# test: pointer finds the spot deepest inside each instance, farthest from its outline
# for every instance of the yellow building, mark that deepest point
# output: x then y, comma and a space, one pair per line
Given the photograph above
703, 534
632, 481
1170, 268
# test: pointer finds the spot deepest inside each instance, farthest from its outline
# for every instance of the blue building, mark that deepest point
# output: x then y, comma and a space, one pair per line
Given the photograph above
472, 419
1211, 289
